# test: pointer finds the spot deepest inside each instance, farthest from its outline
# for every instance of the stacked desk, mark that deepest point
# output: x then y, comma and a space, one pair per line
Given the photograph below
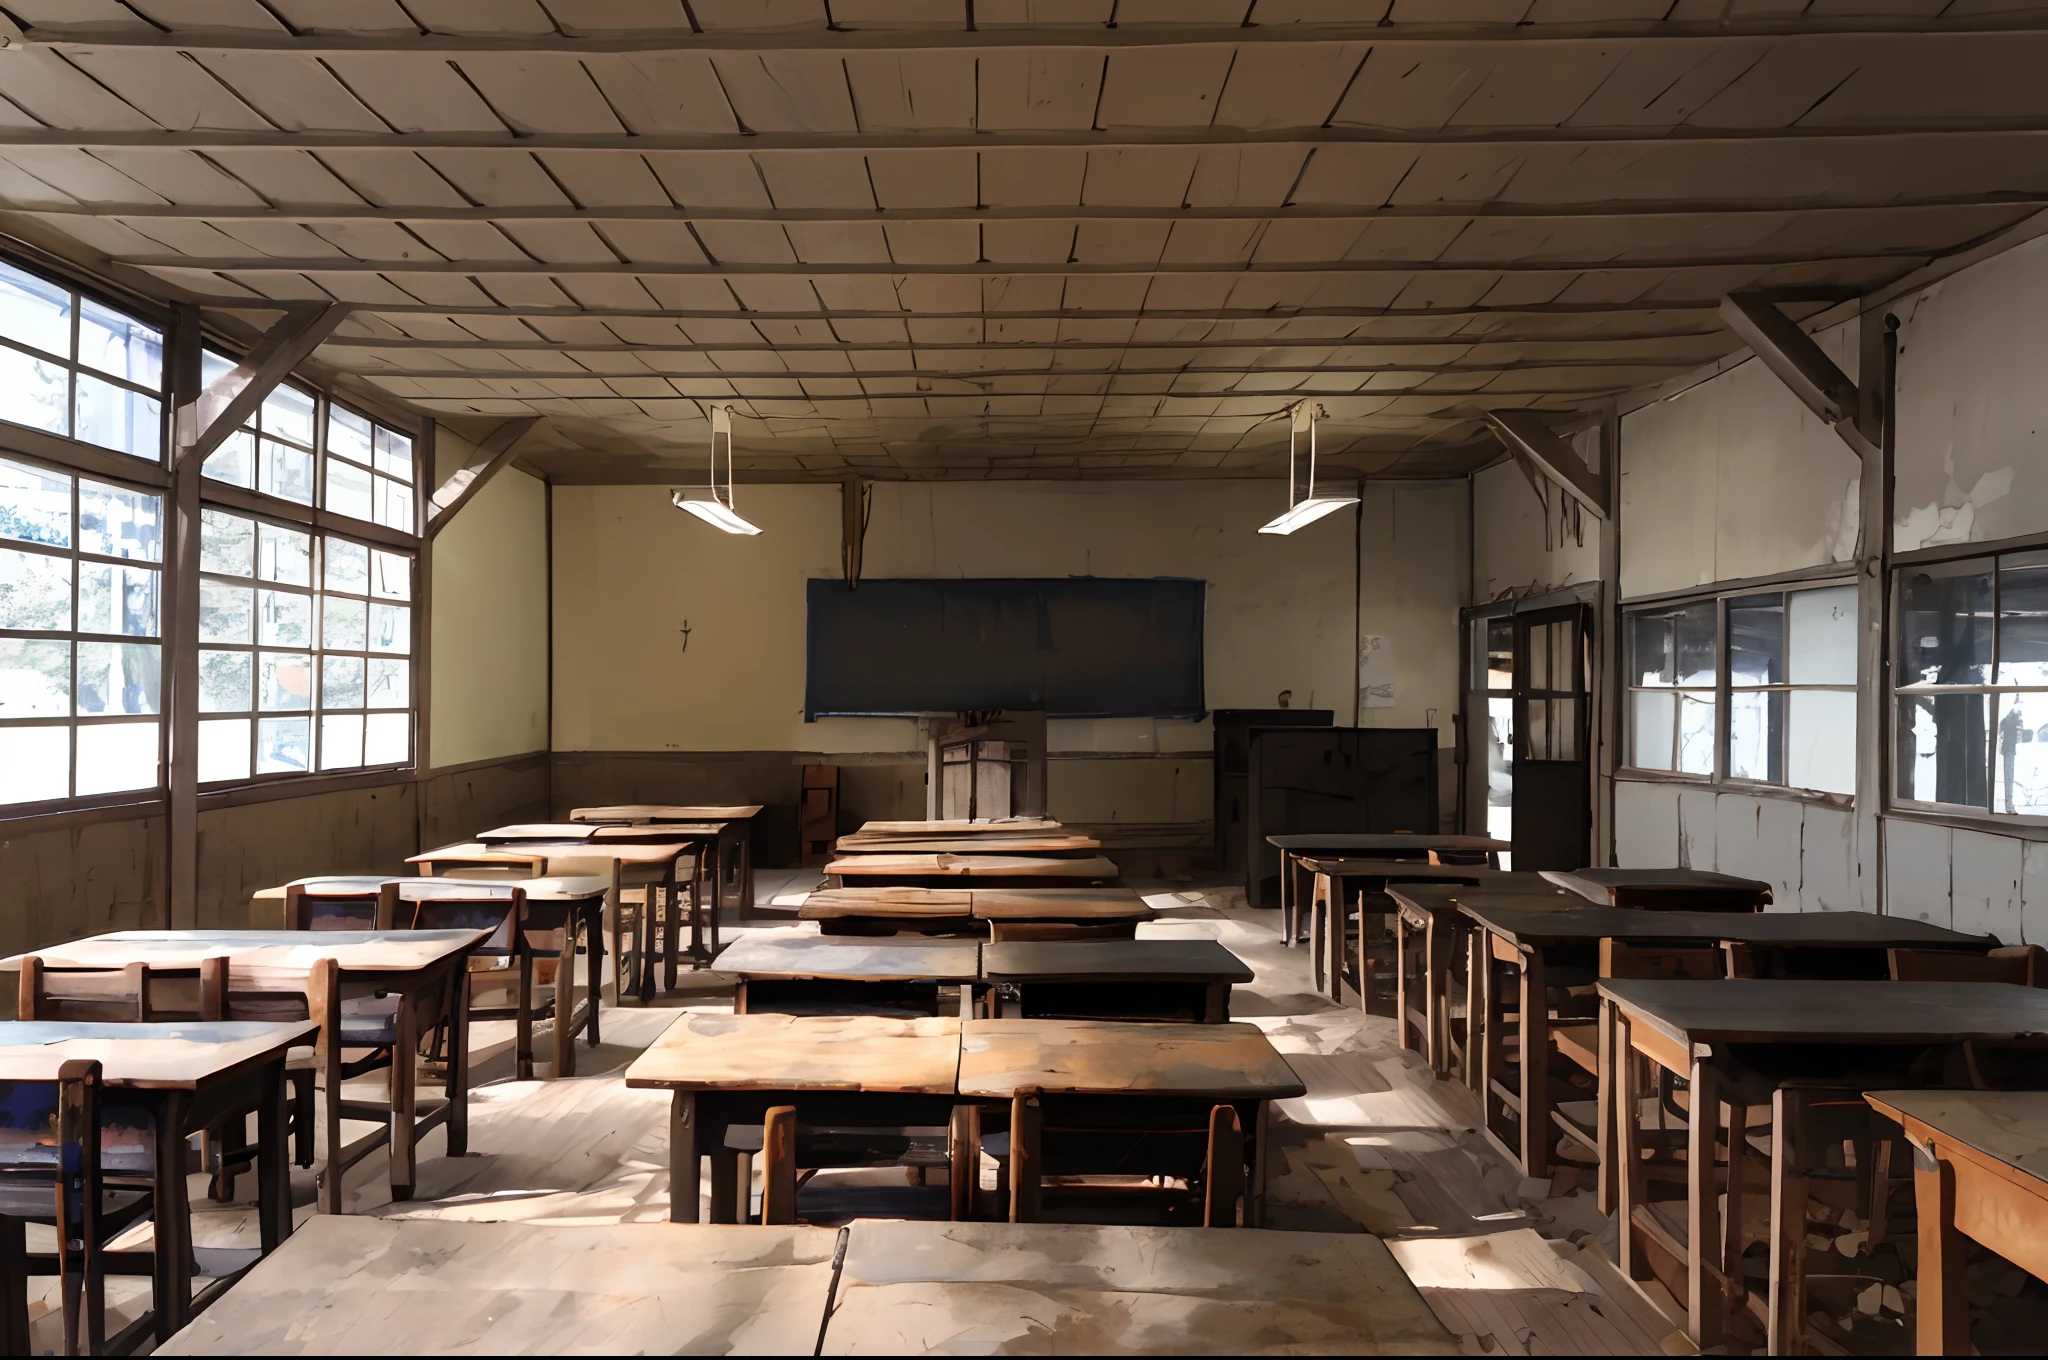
727, 831
1402, 845
1345, 891
1428, 932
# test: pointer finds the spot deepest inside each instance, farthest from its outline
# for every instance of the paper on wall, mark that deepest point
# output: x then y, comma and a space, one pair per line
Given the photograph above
1375, 672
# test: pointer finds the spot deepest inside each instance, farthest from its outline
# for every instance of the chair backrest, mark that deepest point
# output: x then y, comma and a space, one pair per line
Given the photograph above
134, 993
312, 909
492, 909
1696, 962
2021, 965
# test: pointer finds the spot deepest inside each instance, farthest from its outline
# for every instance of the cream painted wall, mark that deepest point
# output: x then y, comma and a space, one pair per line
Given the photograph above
489, 689
1413, 556
1512, 552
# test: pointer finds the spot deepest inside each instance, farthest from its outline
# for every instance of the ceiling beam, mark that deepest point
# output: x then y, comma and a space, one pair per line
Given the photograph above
1802, 30
498, 449
316, 214
226, 405
970, 139
1220, 315
341, 342
1043, 371
1368, 395
1525, 435
1799, 363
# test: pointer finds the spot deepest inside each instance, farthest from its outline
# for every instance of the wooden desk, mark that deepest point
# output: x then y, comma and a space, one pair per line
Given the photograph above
1176, 980
1362, 844
1037, 843
981, 826
1664, 889
804, 974
1338, 905
1428, 933
281, 970
187, 1076
1980, 1170
650, 866
980, 911
1540, 941
948, 870
1808, 1049
1143, 1076
411, 1286
732, 829
861, 1071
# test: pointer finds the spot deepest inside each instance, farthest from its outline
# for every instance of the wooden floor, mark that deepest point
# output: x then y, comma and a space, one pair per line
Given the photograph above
1507, 1265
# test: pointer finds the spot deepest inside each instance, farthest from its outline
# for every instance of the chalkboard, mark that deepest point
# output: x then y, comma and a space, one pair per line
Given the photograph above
1076, 647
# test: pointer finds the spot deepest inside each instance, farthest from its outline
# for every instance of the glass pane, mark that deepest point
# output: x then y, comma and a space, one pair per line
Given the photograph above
394, 454
342, 624
2023, 754
1945, 624
284, 619
1539, 665
213, 367
35, 678
35, 591
35, 764
118, 677
1756, 642
224, 683
1500, 766
226, 613
234, 461
284, 556
345, 566
288, 414
341, 741
387, 739
113, 757
1696, 732
36, 313
390, 575
1535, 729
1564, 729
283, 470
118, 418
2023, 619
227, 543
284, 682
1649, 654
1820, 740
348, 489
120, 345
1756, 731
1821, 635
390, 628
1943, 748
388, 683
35, 506
124, 601
348, 435
282, 744
341, 682
393, 509
34, 392
116, 522
223, 749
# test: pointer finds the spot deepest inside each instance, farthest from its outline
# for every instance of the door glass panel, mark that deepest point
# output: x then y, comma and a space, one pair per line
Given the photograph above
1535, 730
1500, 654
1539, 660
1564, 729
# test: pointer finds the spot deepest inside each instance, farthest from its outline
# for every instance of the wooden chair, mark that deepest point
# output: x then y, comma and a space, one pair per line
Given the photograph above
1200, 1143
320, 909
502, 911
55, 1159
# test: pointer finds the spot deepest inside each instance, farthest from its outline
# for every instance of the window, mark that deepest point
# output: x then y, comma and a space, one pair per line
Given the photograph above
1672, 654
1493, 681
369, 470
1792, 689
74, 368
1971, 716
273, 452
305, 646
81, 591
1550, 692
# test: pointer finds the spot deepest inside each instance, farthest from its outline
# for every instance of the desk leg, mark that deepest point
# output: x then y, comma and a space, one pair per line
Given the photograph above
1255, 1193
726, 1190
323, 1003
963, 1160
172, 1277
404, 1084
1475, 1009
1787, 1318
1436, 998
1704, 1303
714, 902
1534, 1033
593, 983
671, 926
456, 1090
1354, 906
1605, 1137
746, 840
565, 999
273, 1161
1315, 943
522, 1044
1629, 1179
1405, 1035
1734, 1287
1944, 1303
683, 1170
1288, 915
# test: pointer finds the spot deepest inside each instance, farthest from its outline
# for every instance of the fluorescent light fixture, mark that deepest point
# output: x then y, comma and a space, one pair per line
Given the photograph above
1310, 507
713, 503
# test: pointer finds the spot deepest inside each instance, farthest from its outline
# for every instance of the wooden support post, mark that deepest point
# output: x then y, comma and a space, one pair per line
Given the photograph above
1223, 1175
1026, 1134
778, 1165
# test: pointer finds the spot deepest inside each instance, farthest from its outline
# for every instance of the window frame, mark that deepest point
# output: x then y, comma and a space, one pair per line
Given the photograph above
13, 433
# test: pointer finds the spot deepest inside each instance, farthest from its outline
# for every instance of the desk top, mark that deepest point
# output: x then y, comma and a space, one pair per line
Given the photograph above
181, 1056
538, 831
555, 888
2007, 1127
850, 958
1602, 885
1578, 920
1032, 844
829, 904
705, 1051
1521, 890
984, 826
1397, 870
1111, 1057
1337, 842
970, 866
261, 956
667, 812
1773, 1010
1112, 961
992, 904
548, 852
355, 1285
